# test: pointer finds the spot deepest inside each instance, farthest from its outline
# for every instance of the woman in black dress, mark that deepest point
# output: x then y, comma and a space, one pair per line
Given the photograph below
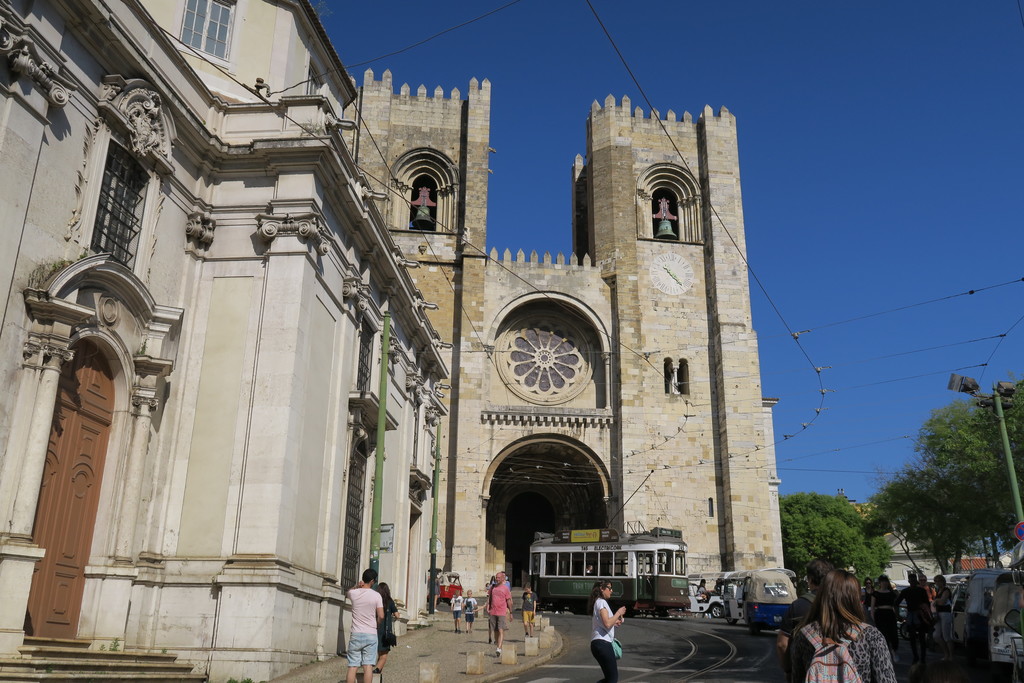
386, 627
883, 609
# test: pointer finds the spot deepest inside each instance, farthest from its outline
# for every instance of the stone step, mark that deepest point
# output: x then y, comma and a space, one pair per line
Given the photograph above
63, 653
34, 641
93, 664
98, 676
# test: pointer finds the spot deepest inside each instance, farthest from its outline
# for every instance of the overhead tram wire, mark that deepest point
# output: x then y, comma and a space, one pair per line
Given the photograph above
714, 211
1002, 338
866, 316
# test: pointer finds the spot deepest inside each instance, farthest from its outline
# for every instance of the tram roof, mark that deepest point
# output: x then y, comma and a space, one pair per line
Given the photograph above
546, 541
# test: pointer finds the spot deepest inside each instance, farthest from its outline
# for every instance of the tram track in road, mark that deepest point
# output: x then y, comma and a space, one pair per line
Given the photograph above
672, 628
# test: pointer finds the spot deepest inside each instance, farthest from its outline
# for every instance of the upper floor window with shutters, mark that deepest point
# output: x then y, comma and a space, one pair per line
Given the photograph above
119, 211
207, 26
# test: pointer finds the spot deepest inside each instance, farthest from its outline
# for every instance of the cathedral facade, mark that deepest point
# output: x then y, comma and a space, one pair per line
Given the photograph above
618, 386
251, 336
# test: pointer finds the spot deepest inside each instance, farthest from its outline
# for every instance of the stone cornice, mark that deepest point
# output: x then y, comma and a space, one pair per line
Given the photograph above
547, 417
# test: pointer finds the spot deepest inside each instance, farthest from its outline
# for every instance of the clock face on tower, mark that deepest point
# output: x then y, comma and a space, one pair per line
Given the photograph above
672, 274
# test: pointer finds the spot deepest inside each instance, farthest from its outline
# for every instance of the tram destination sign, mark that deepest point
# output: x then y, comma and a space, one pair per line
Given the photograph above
587, 536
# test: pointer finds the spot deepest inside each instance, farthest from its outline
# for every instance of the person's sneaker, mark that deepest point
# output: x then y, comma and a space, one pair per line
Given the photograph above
497, 653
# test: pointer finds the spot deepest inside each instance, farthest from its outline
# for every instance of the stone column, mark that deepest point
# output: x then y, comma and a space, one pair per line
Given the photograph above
27, 496
144, 402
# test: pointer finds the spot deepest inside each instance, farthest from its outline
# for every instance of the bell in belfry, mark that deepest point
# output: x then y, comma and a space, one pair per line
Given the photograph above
665, 230
423, 220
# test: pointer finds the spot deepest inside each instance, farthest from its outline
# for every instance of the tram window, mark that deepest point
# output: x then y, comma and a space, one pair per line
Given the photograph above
563, 564
680, 568
621, 564
604, 564
645, 563
551, 564
577, 564
664, 561
536, 563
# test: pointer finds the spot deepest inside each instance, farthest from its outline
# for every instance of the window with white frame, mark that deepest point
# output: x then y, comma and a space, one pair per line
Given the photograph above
207, 26
119, 211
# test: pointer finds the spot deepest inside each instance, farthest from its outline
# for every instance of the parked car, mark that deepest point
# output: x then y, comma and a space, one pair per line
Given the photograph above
1004, 627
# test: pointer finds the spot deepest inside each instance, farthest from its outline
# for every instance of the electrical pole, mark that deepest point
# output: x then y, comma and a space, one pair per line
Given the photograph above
433, 521
998, 393
382, 424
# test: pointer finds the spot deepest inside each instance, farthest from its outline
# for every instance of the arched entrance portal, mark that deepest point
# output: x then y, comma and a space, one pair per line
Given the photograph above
69, 493
543, 484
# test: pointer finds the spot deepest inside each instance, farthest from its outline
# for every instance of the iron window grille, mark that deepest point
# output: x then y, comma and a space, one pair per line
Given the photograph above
119, 213
365, 357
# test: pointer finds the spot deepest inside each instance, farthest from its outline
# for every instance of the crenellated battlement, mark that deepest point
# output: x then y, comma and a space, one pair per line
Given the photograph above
477, 89
560, 262
624, 108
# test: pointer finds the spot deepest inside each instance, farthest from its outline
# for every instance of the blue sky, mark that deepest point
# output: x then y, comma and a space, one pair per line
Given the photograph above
881, 151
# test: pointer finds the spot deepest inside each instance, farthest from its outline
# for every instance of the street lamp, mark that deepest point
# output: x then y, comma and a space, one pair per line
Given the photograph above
1000, 398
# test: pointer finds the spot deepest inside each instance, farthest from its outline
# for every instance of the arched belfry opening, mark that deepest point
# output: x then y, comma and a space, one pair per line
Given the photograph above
544, 483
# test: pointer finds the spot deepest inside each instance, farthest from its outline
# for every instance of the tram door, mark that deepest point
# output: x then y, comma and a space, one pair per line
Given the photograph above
645, 575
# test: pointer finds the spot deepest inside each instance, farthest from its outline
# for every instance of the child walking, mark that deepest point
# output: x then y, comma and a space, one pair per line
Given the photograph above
457, 611
470, 609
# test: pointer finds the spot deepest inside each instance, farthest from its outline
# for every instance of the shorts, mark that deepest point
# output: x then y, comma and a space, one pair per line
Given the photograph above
362, 649
499, 621
528, 617
457, 614
944, 626
470, 617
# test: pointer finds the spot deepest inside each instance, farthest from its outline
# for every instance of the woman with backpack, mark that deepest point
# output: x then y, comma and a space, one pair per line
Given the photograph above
834, 643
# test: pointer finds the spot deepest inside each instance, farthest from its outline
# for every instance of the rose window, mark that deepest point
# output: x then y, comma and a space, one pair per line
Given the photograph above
544, 363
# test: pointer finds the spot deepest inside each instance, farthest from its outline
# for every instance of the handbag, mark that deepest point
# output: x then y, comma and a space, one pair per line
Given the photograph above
617, 648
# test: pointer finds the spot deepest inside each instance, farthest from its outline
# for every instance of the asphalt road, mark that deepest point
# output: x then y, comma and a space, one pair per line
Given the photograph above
689, 649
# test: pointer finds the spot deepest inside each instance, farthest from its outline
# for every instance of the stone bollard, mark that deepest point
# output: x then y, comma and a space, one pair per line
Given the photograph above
547, 640
532, 648
545, 623
508, 655
430, 672
475, 663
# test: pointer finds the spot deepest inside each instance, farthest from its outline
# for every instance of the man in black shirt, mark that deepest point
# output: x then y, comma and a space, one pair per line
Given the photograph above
798, 609
918, 614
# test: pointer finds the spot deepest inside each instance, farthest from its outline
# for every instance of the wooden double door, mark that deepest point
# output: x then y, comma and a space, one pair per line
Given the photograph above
69, 493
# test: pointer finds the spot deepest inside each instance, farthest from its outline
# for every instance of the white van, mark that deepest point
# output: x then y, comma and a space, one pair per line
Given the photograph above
971, 625
1004, 637
714, 606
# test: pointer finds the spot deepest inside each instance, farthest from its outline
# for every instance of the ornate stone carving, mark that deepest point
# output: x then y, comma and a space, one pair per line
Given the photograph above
432, 415
353, 288
544, 360
141, 107
200, 227
306, 226
413, 381
109, 310
144, 399
24, 60
44, 351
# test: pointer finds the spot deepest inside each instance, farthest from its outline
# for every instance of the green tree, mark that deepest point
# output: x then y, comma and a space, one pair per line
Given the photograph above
816, 525
953, 499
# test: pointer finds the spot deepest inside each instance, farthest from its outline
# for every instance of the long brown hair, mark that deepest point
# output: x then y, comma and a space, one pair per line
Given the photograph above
837, 608
595, 593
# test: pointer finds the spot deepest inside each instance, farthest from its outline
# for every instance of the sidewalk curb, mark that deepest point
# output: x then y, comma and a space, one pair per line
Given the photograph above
532, 663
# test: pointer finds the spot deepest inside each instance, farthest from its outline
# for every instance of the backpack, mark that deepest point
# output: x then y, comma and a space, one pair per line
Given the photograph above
832, 661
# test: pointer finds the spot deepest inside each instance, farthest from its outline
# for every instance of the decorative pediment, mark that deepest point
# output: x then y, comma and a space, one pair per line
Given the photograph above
136, 110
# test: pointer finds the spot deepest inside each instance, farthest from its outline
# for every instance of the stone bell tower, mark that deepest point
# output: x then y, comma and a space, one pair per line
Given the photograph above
657, 204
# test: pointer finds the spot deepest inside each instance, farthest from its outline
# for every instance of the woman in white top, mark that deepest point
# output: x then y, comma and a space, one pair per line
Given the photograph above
604, 623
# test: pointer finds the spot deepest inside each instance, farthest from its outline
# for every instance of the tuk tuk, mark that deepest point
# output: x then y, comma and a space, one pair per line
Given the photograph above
449, 587
759, 598
712, 603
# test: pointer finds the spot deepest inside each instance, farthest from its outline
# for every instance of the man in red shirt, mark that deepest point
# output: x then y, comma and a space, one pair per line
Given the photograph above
499, 607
